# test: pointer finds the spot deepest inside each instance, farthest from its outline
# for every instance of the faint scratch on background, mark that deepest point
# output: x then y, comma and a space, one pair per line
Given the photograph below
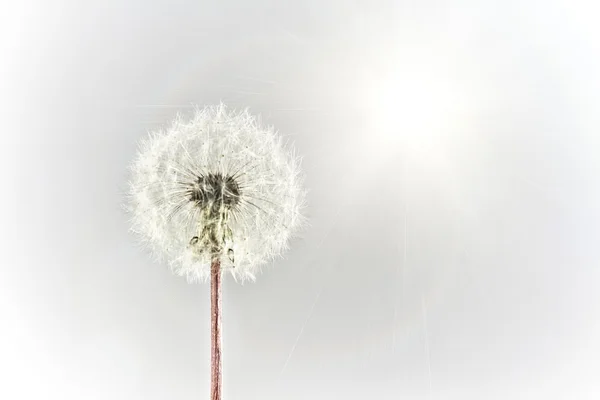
312, 308
164, 106
235, 90
275, 83
248, 78
300, 109
400, 274
402, 268
293, 36
426, 332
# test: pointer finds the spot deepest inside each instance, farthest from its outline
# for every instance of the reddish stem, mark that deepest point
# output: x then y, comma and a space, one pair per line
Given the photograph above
215, 329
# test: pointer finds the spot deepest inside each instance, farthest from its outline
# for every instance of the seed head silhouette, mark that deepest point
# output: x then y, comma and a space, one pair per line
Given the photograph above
220, 185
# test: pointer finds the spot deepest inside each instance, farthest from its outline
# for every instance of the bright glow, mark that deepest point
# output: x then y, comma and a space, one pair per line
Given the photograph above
417, 102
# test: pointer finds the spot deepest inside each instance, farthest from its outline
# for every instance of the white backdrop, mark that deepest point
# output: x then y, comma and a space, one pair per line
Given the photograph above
451, 152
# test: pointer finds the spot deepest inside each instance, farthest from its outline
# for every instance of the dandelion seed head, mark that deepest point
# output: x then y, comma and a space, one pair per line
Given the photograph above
220, 183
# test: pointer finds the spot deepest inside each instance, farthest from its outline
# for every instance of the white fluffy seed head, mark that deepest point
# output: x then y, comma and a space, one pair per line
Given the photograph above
172, 165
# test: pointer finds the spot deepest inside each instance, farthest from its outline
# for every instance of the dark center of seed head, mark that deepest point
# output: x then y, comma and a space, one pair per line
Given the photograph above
216, 190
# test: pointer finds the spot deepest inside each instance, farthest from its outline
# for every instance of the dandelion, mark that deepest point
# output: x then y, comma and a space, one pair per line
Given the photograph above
217, 193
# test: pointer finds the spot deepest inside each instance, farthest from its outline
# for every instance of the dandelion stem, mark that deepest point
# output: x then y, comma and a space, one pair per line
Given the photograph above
215, 327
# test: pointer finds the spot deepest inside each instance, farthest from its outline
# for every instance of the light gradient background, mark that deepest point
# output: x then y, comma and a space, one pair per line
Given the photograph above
452, 155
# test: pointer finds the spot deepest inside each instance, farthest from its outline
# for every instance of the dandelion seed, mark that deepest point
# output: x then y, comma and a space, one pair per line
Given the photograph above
217, 193
220, 183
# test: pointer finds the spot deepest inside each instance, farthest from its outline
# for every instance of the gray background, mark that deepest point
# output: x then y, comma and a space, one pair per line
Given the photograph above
451, 153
